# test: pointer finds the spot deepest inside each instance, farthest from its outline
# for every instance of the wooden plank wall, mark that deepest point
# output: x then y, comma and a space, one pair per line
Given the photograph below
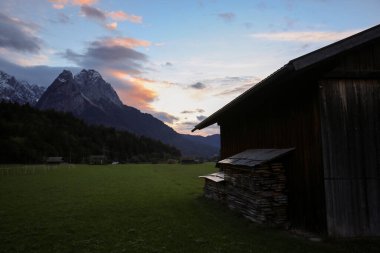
289, 119
350, 118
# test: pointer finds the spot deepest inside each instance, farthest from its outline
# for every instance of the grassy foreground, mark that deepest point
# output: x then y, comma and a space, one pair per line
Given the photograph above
132, 208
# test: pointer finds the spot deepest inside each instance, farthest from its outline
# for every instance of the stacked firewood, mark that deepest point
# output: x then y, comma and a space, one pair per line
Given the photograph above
214, 190
258, 193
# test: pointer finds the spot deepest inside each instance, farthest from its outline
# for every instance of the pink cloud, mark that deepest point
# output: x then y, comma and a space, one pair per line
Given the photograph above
134, 93
122, 16
82, 2
124, 42
111, 26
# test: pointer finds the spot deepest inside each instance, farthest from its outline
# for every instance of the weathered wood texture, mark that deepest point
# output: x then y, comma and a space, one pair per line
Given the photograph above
289, 118
350, 118
351, 144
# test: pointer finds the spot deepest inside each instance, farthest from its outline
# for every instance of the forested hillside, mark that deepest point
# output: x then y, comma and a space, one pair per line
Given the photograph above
28, 135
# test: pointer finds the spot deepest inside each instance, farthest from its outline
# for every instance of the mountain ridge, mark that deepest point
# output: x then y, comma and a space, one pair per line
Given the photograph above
89, 97
20, 92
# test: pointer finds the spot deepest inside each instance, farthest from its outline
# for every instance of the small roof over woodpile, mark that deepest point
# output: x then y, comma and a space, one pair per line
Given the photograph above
216, 177
295, 68
254, 157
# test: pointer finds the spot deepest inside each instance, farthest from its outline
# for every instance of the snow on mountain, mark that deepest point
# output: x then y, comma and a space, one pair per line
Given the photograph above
20, 92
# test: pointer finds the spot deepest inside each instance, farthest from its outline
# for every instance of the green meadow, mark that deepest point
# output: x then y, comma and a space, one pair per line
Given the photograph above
133, 208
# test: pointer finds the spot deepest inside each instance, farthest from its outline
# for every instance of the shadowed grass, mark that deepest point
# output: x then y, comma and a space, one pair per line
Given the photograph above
132, 208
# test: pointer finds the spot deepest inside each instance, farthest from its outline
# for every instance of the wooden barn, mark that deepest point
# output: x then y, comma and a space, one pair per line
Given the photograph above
326, 105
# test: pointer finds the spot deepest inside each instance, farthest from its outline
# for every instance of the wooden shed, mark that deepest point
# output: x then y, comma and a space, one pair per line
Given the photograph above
325, 104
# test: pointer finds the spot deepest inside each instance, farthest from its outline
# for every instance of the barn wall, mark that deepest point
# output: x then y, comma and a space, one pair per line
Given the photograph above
350, 117
289, 119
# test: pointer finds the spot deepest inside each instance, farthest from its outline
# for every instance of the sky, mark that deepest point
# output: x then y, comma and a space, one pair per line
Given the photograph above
178, 60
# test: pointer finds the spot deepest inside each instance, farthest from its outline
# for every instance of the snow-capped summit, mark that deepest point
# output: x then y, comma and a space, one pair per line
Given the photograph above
20, 92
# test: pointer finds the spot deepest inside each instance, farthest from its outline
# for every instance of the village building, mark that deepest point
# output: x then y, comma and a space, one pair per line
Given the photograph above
326, 106
54, 160
97, 159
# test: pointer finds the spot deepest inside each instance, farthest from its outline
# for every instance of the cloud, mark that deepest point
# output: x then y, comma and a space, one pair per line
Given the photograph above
168, 64
102, 54
227, 16
132, 90
193, 111
101, 16
122, 16
317, 36
201, 117
165, 117
111, 26
61, 18
40, 75
124, 42
235, 90
198, 86
92, 12
18, 35
82, 2
58, 4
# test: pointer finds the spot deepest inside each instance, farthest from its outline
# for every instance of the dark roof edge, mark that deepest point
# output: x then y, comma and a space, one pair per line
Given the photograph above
298, 64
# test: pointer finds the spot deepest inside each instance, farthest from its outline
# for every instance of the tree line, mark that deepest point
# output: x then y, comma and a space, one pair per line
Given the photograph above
28, 135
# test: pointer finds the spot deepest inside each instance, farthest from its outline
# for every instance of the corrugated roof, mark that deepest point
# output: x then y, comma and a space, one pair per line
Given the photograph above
297, 64
254, 157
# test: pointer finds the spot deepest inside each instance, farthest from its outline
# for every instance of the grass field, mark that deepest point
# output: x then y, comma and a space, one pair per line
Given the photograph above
132, 208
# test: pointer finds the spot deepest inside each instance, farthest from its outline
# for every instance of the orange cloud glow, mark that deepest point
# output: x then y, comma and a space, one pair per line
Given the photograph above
60, 4
125, 42
82, 2
134, 93
122, 16
111, 26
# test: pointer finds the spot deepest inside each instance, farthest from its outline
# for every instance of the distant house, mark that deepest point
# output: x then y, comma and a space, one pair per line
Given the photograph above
54, 160
326, 105
98, 159
190, 161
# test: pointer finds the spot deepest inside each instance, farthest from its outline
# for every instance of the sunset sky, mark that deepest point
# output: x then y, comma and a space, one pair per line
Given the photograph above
178, 60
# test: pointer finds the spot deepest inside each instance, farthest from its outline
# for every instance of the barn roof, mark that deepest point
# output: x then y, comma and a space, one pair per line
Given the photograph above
295, 67
254, 157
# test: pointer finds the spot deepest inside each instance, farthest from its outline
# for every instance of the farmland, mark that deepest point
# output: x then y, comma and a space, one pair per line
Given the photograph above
132, 208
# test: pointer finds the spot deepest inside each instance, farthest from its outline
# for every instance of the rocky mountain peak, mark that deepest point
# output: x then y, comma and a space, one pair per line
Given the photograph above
94, 87
20, 92
65, 76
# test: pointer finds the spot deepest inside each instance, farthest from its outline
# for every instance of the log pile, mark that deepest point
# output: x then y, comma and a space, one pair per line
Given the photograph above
214, 190
258, 193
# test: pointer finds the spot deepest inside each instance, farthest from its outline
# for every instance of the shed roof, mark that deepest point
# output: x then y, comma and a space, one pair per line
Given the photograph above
215, 177
254, 157
295, 66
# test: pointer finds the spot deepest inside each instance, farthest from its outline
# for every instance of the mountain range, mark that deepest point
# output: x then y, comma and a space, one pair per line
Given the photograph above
89, 97
20, 92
